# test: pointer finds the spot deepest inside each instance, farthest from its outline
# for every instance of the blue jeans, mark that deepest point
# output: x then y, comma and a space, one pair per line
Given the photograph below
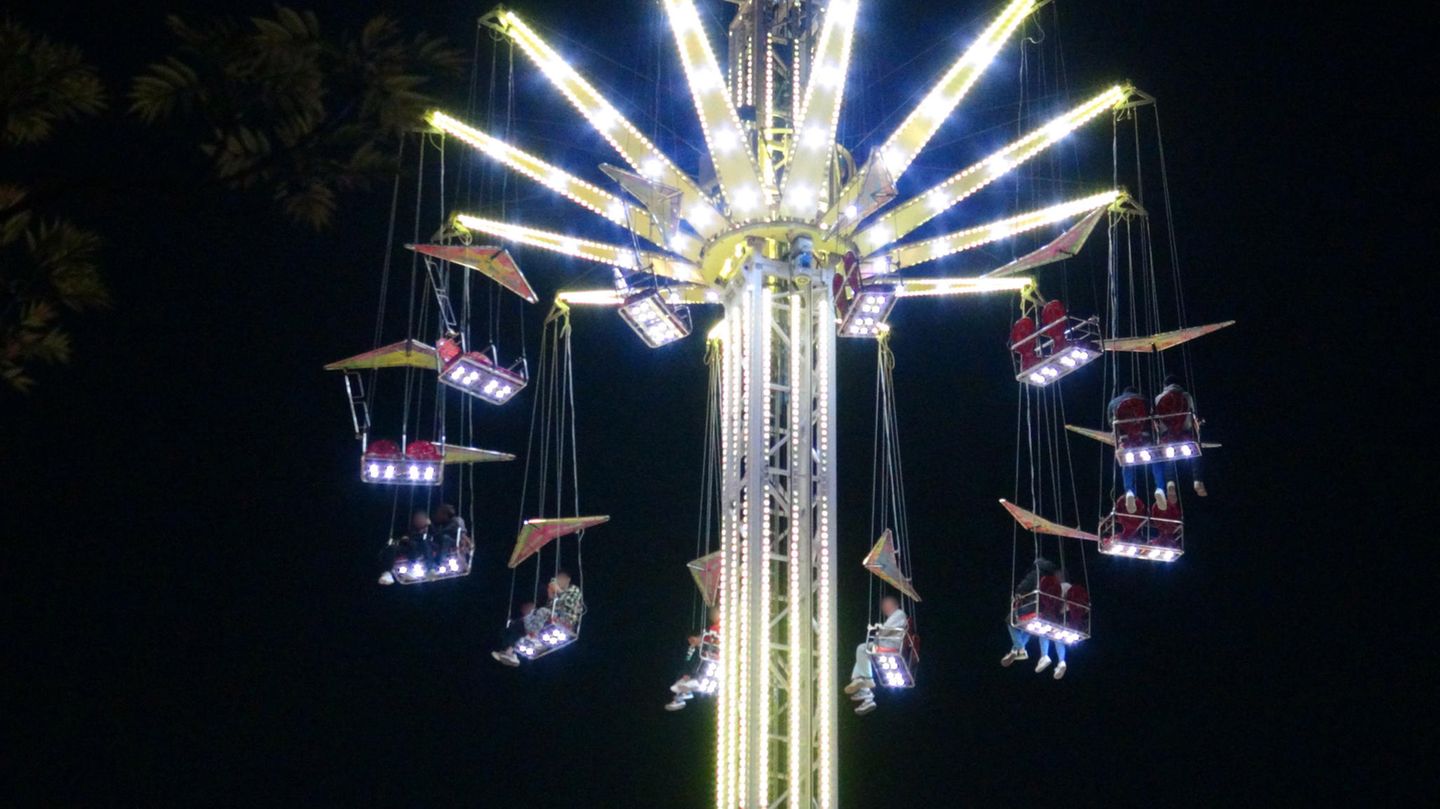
1019, 637
1059, 649
1127, 474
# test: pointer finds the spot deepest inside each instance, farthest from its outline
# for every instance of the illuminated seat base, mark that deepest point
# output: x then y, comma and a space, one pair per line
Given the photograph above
1040, 359
892, 670
453, 565
707, 675
1139, 536
476, 375
1058, 366
551, 637
1147, 453
1042, 627
399, 471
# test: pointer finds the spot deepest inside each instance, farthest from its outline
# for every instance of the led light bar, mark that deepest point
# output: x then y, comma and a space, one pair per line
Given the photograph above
728, 144
453, 566
919, 252
810, 148
917, 211
1137, 447
657, 322
476, 374
1041, 359
866, 313
384, 463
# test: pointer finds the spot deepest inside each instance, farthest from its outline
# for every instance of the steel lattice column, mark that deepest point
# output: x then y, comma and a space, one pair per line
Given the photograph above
777, 713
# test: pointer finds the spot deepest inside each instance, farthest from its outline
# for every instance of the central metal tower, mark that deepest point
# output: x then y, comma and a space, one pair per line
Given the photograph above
777, 712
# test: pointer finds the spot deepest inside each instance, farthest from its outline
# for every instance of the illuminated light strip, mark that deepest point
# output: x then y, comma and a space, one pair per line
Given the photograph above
614, 297
734, 162
825, 679
940, 246
590, 196
637, 150
921, 209
611, 254
923, 287
814, 136
914, 133
742, 722
767, 302
727, 729
797, 479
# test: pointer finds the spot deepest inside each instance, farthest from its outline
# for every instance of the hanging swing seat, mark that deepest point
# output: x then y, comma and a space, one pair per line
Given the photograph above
560, 629
894, 653
707, 667
1055, 350
1150, 533
1044, 613
421, 463
452, 564
1134, 445
478, 374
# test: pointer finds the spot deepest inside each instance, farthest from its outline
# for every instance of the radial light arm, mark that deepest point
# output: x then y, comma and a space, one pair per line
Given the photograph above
637, 150
734, 163
602, 202
935, 287
612, 254
815, 131
910, 254
907, 141
919, 210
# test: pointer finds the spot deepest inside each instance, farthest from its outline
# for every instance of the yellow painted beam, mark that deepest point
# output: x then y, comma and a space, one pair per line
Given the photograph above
803, 195
734, 161
642, 155
907, 255
921, 209
614, 255
588, 195
910, 138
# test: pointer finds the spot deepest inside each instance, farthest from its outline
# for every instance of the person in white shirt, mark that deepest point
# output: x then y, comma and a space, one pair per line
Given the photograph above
862, 677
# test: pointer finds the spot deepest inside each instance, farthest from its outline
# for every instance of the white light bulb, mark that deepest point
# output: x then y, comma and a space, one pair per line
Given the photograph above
850, 212
725, 139
651, 168
603, 118
745, 198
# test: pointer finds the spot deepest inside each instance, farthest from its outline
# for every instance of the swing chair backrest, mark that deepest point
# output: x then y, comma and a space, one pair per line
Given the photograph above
1172, 411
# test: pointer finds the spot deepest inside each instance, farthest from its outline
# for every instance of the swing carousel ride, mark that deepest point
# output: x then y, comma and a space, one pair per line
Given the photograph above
797, 243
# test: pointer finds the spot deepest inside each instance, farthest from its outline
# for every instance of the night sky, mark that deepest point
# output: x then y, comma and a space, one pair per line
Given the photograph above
191, 609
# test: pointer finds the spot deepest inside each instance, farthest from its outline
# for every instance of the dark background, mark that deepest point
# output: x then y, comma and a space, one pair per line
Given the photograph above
191, 614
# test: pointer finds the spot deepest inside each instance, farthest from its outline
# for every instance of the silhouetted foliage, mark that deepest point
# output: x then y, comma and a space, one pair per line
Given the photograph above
276, 105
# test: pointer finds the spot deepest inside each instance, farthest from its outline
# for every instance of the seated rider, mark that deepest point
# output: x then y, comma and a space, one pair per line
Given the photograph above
1128, 418
529, 622
862, 677
446, 531
567, 603
410, 546
686, 683
1045, 581
1180, 427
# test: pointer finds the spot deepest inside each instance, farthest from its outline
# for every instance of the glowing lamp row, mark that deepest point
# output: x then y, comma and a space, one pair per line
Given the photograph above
402, 471
868, 312
1056, 632
408, 572
891, 669
970, 238
1137, 551
1139, 456
552, 636
923, 208
1057, 367
655, 321
476, 375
